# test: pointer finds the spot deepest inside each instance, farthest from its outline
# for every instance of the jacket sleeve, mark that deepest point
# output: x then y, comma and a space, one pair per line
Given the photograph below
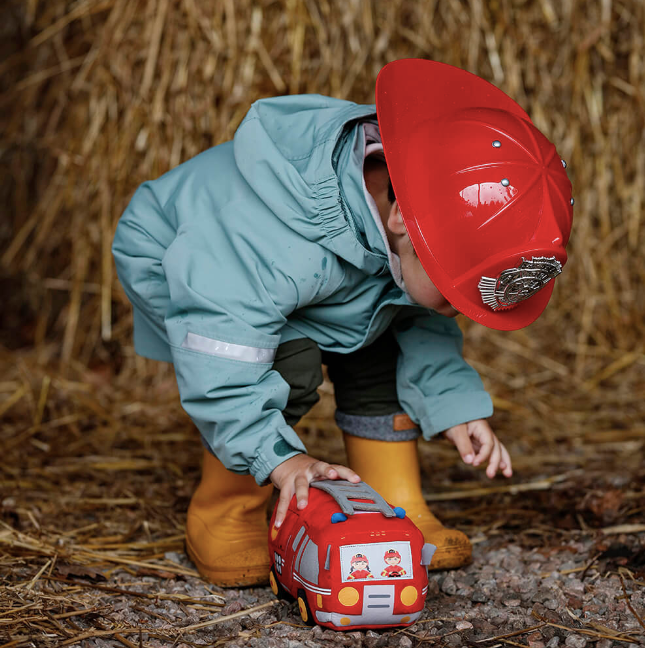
223, 328
436, 386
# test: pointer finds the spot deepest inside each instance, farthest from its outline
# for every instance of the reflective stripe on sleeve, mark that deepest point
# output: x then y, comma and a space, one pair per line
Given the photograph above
202, 344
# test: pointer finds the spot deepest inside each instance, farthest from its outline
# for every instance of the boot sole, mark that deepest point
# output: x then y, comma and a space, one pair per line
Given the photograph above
222, 577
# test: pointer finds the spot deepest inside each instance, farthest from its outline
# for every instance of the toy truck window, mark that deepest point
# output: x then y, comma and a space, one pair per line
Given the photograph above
299, 554
296, 540
389, 561
309, 566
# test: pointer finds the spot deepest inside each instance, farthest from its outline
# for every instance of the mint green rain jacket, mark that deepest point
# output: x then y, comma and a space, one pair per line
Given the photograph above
265, 239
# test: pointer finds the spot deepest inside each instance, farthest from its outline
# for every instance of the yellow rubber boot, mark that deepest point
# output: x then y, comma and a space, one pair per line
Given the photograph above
226, 527
391, 468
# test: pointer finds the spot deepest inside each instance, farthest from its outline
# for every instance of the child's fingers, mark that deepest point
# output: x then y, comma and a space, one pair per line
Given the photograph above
486, 442
322, 470
505, 464
495, 458
461, 440
286, 494
346, 473
302, 491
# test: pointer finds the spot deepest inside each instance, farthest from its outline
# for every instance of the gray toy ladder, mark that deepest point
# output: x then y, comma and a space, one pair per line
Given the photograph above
345, 493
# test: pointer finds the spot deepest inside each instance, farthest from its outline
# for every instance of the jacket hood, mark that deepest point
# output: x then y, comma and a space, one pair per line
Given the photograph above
303, 157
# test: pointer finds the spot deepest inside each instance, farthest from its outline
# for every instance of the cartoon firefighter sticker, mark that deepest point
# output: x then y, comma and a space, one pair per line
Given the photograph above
359, 567
393, 569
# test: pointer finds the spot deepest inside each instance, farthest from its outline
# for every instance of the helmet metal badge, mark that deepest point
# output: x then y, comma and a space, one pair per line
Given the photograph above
517, 284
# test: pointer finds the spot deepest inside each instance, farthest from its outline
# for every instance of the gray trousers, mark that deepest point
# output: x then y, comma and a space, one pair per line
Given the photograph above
364, 387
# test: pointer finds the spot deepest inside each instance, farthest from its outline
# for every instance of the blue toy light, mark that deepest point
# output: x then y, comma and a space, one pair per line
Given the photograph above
400, 512
340, 517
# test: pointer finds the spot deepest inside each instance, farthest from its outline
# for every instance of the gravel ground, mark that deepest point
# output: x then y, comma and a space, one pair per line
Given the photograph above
576, 594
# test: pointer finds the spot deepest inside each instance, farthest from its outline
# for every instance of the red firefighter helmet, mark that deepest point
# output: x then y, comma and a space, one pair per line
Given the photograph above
392, 553
359, 558
484, 196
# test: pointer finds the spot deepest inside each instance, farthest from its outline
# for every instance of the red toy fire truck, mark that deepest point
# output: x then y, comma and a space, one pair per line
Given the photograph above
350, 559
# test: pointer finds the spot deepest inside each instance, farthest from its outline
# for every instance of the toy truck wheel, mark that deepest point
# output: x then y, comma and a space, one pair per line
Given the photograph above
276, 586
305, 611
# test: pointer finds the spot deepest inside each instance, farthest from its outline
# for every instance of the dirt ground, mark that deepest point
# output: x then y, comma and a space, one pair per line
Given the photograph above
93, 506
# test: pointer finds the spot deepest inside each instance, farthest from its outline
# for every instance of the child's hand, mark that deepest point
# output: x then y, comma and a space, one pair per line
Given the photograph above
294, 476
477, 443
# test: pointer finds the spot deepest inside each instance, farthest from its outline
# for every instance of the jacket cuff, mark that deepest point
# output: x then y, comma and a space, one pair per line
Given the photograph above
276, 448
448, 410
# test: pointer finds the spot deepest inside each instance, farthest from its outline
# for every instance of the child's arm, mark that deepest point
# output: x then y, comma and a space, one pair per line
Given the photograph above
477, 443
223, 326
435, 385
294, 476
443, 391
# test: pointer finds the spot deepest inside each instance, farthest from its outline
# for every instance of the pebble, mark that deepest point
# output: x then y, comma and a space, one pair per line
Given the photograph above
575, 641
449, 586
478, 596
551, 604
500, 618
554, 642
232, 608
512, 602
464, 625
405, 642
535, 643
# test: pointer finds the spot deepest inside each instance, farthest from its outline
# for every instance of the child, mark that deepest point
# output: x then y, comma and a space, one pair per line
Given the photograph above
393, 570
326, 232
359, 568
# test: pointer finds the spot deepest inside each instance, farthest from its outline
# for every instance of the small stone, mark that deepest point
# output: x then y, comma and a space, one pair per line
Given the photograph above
405, 642
483, 627
575, 641
479, 597
464, 625
574, 586
554, 642
548, 632
371, 639
449, 586
453, 640
294, 643
604, 643
551, 604
500, 619
512, 602
232, 608
231, 628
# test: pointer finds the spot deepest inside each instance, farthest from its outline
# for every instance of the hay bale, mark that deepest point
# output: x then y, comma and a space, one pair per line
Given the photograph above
100, 95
